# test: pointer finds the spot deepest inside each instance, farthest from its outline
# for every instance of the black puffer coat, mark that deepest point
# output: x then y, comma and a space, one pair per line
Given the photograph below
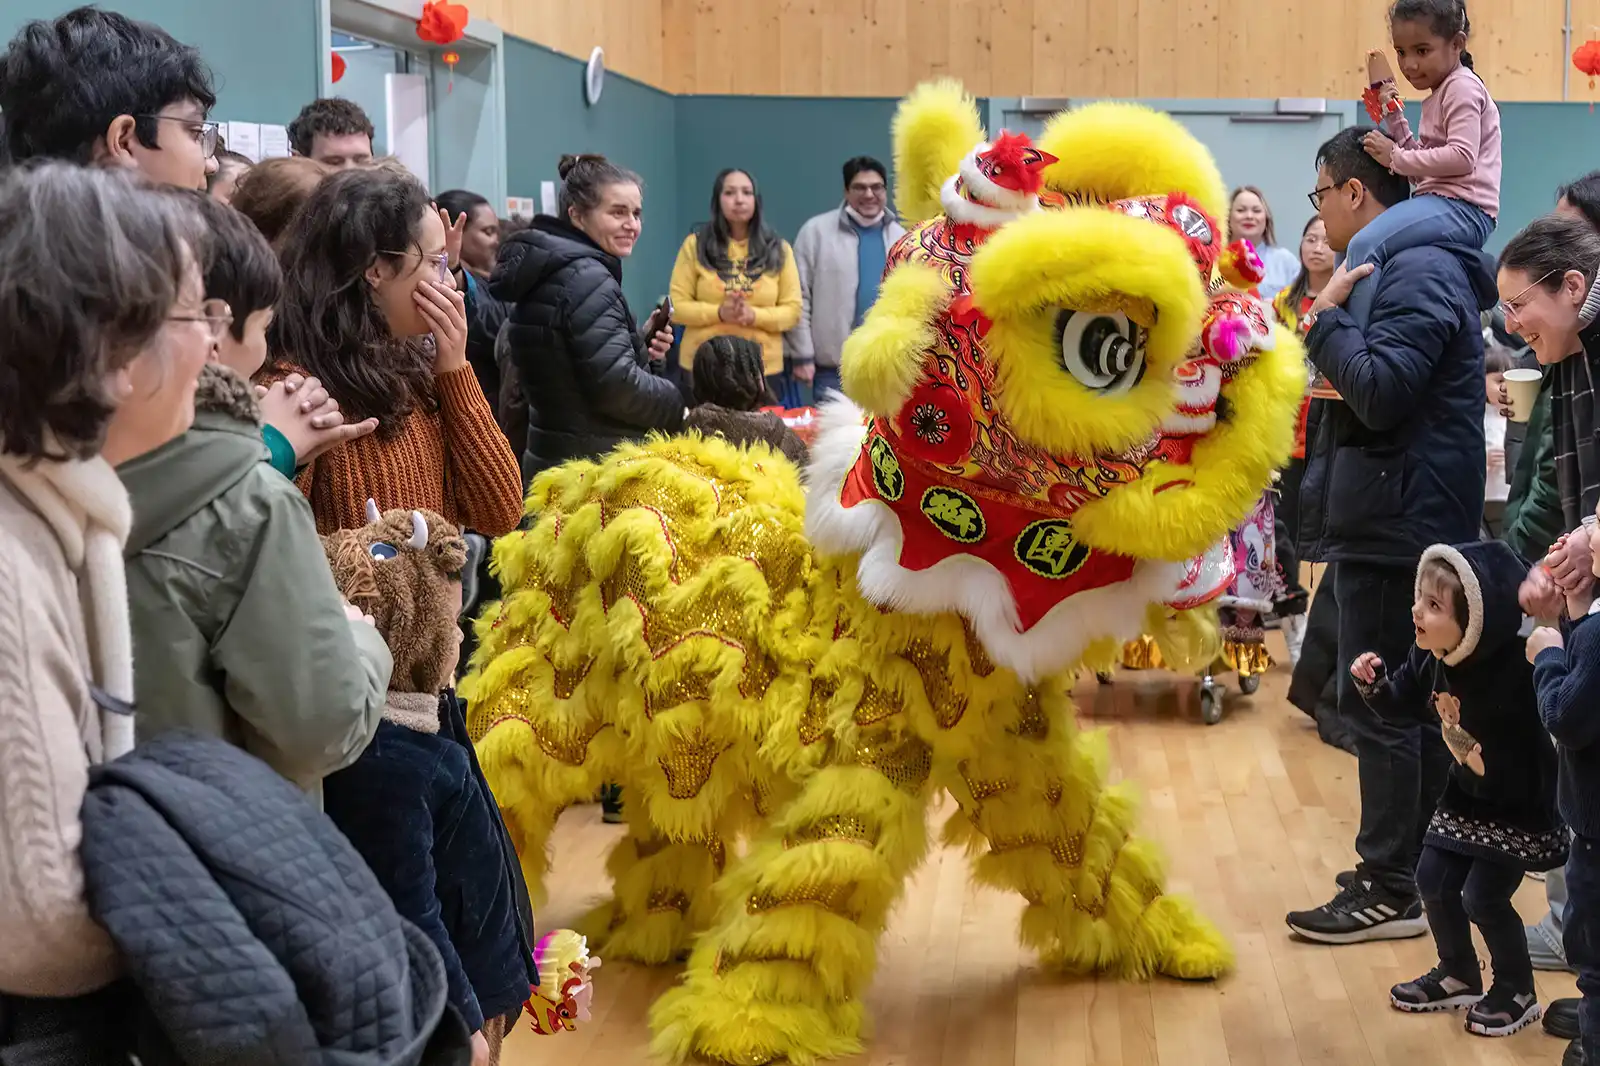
576, 348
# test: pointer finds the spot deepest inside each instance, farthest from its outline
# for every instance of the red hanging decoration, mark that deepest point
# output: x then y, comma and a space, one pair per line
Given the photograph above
442, 22
338, 67
1587, 59
450, 60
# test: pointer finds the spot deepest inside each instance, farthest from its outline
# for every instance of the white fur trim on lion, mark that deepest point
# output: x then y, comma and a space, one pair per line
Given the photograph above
982, 188
419, 532
960, 209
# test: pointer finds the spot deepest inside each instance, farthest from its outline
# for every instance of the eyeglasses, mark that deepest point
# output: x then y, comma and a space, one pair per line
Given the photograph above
875, 189
440, 259
1316, 196
1513, 307
205, 132
216, 314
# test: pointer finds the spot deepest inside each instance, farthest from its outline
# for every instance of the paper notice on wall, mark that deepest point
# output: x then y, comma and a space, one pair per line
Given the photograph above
274, 141
243, 138
519, 205
547, 197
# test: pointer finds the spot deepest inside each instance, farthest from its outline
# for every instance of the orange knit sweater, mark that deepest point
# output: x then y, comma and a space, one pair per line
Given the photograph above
453, 461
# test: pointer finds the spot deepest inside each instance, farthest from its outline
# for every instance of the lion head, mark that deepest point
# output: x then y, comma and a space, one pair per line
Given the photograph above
1065, 392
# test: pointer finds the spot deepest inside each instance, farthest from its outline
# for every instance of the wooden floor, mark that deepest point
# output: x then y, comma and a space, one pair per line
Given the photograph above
1256, 815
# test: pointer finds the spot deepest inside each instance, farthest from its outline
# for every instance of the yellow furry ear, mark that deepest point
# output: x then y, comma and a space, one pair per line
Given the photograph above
934, 128
1113, 151
882, 360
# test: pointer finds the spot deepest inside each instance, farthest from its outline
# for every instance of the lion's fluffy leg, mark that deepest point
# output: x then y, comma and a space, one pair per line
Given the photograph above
782, 973
1041, 821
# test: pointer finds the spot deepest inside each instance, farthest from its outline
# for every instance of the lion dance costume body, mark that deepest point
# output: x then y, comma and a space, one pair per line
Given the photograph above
1055, 415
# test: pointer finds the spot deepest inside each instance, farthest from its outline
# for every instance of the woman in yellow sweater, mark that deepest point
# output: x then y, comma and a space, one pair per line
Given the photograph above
735, 276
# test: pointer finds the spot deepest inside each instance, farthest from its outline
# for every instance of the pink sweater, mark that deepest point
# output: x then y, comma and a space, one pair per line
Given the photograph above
1458, 154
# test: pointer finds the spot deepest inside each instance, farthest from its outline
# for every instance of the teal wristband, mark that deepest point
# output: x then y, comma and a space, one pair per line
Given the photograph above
280, 451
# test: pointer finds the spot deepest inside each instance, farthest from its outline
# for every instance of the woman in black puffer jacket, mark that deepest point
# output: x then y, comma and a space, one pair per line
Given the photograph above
579, 362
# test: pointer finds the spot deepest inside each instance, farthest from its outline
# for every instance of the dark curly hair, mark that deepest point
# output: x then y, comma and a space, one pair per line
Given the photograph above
332, 116
728, 371
62, 81
117, 257
327, 323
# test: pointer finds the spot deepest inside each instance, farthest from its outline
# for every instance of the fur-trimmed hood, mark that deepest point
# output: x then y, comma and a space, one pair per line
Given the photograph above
181, 477
1490, 574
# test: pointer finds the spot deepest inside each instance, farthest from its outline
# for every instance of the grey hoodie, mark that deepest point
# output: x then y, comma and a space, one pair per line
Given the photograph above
238, 629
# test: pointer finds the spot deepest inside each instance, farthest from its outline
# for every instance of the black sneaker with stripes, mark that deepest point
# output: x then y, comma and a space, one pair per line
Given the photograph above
1361, 911
1434, 990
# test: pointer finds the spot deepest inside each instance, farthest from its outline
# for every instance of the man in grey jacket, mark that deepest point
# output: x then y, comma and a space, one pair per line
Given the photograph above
840, 255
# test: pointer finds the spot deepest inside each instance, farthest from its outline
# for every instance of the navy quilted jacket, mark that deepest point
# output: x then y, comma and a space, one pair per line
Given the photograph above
252, 928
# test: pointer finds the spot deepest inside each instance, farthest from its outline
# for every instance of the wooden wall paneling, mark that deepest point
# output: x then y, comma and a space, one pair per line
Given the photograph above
1181, 48
1113, 37
767, 49
1011, 33
928, 42
1124, 48
1061, 47
889, 58
795, 68
678, 25
970, 44
629, 30
840, 28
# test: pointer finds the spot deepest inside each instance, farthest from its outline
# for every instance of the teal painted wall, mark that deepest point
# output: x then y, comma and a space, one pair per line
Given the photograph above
264, 55
1543, 145
633, 125
793, 147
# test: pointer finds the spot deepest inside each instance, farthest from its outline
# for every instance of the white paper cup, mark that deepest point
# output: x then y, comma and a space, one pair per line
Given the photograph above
1522, 392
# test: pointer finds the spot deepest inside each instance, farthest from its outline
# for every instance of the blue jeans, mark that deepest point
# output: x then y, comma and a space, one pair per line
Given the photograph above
1419, 221
1581, 935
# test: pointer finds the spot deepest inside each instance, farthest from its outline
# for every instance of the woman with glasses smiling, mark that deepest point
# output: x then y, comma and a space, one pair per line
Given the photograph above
370, 309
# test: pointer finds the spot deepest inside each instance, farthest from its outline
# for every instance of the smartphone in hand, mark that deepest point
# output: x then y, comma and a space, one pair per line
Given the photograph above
660, 319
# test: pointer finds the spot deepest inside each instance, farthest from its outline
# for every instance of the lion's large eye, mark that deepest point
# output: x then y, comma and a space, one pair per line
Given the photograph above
1104, 352
382, 550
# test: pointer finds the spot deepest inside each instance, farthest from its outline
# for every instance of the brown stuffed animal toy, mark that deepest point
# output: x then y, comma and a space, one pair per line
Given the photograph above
403, 569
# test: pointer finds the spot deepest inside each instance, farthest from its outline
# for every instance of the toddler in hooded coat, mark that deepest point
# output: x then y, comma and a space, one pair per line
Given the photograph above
1497, 818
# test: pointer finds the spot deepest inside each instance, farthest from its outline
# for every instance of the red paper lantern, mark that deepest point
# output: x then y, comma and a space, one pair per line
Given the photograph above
442, 22
338, 66
1587, 59
450, 60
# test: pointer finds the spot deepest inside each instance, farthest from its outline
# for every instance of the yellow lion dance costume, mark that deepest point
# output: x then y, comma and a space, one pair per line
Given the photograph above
1044, 448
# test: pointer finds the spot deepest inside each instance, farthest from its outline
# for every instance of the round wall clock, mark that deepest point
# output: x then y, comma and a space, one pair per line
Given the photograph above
594, 76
